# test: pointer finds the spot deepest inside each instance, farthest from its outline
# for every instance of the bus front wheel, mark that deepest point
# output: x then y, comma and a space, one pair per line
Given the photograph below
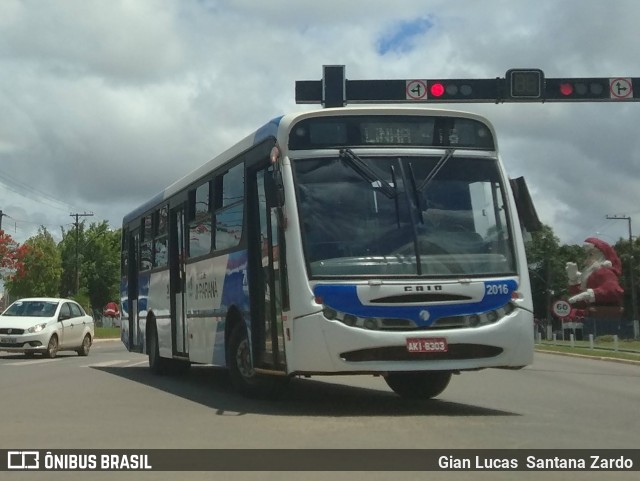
418, 385
243, 376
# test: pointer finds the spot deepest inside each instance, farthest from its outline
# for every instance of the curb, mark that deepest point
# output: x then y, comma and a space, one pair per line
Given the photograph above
595, 358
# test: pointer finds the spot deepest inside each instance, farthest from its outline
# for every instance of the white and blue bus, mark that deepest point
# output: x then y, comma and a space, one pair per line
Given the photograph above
376, 240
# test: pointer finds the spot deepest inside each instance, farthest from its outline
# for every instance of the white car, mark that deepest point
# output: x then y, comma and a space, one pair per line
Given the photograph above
46, 325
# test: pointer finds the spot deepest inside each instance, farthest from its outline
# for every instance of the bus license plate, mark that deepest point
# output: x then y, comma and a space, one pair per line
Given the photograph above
427, 344
8, 340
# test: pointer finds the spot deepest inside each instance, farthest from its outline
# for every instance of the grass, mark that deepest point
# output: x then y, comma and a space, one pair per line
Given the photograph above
107, 332
603, 348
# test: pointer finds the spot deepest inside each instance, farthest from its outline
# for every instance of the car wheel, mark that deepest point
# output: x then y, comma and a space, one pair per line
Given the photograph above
243, 376
418, 385
86, 345
52, 347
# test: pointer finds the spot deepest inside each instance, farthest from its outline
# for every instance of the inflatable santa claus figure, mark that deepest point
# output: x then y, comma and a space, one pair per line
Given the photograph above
599, 282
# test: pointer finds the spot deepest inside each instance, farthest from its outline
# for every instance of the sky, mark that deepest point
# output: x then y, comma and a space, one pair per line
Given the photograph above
104, 103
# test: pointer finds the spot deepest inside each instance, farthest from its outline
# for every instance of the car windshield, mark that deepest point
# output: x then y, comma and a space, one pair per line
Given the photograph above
31, 309
446, 215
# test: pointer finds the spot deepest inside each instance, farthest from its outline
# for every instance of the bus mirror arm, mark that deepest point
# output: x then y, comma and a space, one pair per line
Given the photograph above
274, 189
280, 194
279, 188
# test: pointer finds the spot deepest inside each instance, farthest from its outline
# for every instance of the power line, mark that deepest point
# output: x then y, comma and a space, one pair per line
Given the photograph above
22, 189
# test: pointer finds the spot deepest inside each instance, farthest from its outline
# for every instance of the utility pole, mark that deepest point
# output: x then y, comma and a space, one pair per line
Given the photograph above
1, 216
634, 308
77, 224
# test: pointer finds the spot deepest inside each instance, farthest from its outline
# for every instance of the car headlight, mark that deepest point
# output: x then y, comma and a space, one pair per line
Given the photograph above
37, 328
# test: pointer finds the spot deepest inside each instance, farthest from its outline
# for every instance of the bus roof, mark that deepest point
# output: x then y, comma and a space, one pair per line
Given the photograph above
270, 129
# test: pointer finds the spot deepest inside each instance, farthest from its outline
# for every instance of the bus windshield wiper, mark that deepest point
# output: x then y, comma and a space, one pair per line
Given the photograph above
416, 197
439, 165
367, 173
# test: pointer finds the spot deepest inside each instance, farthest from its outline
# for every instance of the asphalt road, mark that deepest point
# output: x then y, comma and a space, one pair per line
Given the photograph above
110, 400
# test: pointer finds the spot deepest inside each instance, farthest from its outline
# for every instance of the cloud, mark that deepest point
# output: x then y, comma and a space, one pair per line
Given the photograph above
403, 36
107, 102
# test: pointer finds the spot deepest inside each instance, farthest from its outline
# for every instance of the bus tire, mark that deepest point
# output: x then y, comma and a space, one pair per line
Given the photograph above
243, 377
178, 367
157, 364
418, 385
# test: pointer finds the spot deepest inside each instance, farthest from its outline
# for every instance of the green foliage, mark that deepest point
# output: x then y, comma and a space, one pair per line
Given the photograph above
40, 268
546, 270
83, 299
629, 255
97, 252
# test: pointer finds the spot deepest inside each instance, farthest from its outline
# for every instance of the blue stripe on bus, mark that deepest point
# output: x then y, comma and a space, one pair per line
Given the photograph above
270, 129
344, 298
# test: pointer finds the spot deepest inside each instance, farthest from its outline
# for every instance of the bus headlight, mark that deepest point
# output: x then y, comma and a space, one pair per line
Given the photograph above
370, 323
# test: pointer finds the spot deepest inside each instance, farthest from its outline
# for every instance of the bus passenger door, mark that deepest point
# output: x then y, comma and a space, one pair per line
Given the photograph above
133, 267
177, 284
266, 259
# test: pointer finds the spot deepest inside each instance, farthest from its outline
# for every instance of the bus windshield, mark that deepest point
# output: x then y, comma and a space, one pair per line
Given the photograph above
412, 215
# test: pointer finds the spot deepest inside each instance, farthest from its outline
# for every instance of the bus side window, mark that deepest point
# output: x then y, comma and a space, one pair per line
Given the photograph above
229, 214
161, 239
146, 252
200, 221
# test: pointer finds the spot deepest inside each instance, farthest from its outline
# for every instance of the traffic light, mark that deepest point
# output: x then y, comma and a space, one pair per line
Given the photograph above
518, 85
589, 89
457, 90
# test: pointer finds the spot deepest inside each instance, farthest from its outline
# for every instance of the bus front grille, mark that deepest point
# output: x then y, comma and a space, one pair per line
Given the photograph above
400, 353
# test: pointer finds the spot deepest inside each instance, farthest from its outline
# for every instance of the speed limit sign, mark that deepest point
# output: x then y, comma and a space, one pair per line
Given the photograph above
561, 308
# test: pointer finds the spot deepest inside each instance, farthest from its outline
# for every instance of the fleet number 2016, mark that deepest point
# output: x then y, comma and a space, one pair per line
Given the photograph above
495, 289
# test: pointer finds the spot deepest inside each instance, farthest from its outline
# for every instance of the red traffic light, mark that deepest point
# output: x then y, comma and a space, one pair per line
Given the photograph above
566, 89
437, 90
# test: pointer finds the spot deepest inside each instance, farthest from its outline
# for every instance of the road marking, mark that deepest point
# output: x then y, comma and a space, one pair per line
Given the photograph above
106, 363
28, 363
139, 363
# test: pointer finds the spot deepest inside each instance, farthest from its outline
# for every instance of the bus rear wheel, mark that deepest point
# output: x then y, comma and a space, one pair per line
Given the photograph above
157, 364
243, 376
418, 385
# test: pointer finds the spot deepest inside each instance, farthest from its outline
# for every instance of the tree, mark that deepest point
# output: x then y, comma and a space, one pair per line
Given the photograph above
101, 264
8, 252
95, 252
547, 260
38, 268
628, 258
69, 247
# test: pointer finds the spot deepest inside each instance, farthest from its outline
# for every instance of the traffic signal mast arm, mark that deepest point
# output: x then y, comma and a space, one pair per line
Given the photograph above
518, 85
